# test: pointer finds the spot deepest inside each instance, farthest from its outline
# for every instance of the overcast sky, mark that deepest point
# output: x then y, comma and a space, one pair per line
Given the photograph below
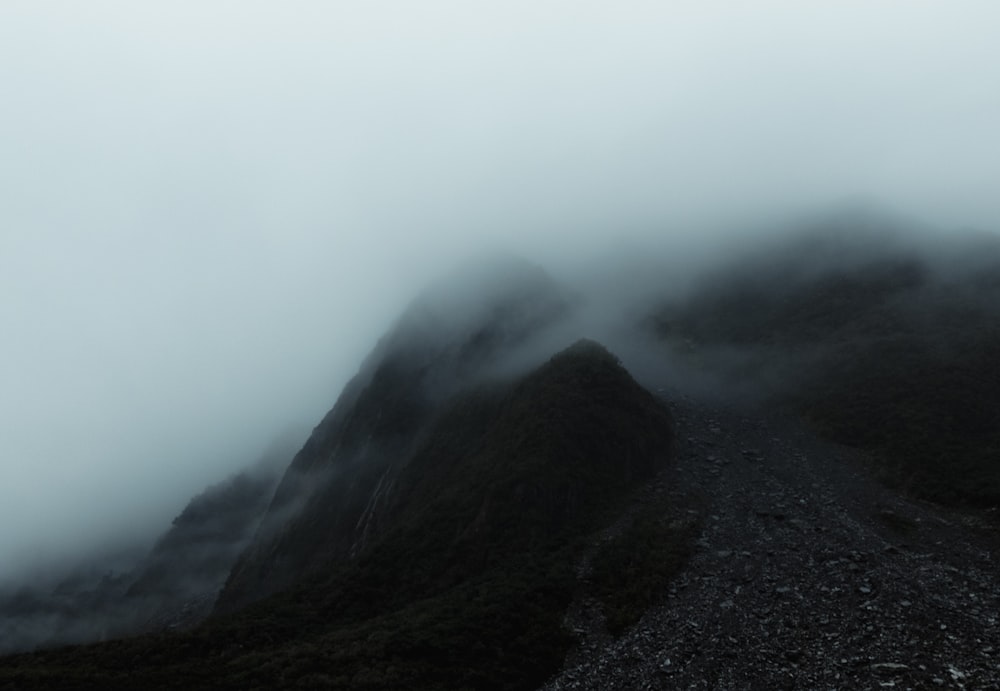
209, 210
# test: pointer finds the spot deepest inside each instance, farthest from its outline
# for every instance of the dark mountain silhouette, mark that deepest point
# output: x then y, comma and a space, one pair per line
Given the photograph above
333, 499
190, 563
883, 344
464, 581
173, 585
480, 511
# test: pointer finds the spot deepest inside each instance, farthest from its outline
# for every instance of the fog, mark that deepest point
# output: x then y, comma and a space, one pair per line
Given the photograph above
209, 212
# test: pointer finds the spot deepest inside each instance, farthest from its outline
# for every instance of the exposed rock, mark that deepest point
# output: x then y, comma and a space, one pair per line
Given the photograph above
848, 606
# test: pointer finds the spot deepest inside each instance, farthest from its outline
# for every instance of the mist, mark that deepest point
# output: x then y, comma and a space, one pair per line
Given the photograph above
209, 213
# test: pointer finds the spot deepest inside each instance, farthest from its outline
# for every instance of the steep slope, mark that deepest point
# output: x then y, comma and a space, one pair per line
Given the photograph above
329, 503
174, 584
882, 344
806, 574
181, 577
465, 582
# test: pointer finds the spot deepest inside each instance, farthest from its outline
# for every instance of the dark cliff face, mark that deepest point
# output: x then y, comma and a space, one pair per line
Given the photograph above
464, 564
509, 471
329, 503
462, 556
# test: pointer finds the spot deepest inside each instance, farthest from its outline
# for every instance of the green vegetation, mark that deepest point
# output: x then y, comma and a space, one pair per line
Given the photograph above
466, 584
631, 572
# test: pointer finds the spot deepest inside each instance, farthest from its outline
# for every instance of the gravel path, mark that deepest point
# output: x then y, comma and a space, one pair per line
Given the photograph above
808, 575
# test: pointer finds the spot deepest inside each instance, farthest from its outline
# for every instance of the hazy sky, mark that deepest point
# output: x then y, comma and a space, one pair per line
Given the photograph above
209, 210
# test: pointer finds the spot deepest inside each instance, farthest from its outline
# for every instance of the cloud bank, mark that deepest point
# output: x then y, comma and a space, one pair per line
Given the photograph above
210, 211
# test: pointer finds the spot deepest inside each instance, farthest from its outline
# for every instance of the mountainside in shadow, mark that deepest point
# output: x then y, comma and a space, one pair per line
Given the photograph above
191, 562
173, 585
426, 534
482, 509
466, 580
332, 500
884, 344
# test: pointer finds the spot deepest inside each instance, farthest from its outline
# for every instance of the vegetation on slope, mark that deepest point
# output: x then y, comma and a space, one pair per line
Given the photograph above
894, 352
467, 584
172, 585
631, 572
330, 503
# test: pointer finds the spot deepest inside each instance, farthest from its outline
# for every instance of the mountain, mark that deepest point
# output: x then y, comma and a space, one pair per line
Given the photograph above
881, 343
173, 585
189, 564
333, 499
426, 534
807, 500
465, 582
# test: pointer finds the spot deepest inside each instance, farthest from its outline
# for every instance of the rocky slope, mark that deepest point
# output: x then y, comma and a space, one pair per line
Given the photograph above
807, 573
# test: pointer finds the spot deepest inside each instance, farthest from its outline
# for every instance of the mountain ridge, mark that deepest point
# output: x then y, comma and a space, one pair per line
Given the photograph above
477, 512
481, 521
315, 516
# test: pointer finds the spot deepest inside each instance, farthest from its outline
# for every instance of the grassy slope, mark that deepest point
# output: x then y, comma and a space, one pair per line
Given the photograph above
468, 587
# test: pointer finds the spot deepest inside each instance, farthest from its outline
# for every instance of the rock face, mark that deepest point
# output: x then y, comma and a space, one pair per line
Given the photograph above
332, 499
